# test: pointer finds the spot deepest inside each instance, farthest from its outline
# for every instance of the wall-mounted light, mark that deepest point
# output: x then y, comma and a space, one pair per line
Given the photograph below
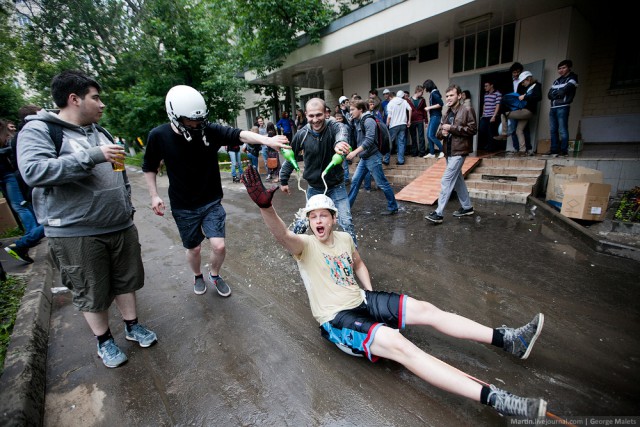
366, 53
476, 20
412, 55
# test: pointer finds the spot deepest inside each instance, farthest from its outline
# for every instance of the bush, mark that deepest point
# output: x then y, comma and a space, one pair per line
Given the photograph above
629, 209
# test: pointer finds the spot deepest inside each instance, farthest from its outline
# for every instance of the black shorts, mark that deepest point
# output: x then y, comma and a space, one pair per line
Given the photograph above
356, 328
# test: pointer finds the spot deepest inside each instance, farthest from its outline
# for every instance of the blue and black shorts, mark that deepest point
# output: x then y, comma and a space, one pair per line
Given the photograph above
356, 328
196, 224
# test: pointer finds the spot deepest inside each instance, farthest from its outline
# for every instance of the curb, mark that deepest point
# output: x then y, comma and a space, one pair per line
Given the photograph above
22, 385
592, 241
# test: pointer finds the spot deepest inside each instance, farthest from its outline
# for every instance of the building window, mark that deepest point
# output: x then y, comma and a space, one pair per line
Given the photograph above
23, 20
252, 114
484, 48
390, 72
626, 66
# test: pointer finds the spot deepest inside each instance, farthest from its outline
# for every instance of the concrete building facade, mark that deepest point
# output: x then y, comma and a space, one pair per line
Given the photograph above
397, 44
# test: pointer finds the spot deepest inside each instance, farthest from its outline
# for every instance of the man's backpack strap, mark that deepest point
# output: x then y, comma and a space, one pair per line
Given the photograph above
105, 132
55, 132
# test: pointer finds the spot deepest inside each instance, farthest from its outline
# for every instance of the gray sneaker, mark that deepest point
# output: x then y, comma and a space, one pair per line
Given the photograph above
199, 286
110, 353
508, 404
223, 289
141, 335
519, 342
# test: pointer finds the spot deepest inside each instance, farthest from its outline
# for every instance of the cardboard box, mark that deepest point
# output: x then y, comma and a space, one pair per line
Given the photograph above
586, 200
544, 145
7, 220
561, 175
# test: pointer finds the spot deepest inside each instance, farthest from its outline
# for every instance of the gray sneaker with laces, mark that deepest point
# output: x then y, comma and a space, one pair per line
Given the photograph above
199, 286
110, 353
508, 404
141, 335
519, 342
223, 289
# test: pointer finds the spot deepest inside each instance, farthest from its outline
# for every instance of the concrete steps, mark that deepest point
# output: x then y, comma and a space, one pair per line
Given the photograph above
505, 179
401, 175
502, 179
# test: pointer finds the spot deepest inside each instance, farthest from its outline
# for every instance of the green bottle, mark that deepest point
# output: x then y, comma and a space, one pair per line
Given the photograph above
337, 159
289, 156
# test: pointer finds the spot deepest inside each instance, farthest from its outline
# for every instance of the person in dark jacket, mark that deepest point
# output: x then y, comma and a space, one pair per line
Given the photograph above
320, 139
456, 130
531, 97
561, 94
10, 183
418, 118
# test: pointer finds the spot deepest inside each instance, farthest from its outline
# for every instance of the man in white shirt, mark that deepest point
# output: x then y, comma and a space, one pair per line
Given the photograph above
398, 120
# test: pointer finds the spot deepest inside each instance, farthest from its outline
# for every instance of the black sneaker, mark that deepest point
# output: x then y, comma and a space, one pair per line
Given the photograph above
551, 154
463, 212
563, 154
434, 217
21, 254
388, 212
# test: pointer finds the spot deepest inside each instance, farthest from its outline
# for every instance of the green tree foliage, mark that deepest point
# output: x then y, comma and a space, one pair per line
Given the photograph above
138, 49
267, 30
10, 95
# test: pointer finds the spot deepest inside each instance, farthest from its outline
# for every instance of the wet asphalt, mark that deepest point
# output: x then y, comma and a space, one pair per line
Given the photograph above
257, 358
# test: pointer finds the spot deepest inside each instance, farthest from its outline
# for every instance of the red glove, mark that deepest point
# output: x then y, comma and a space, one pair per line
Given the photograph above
258, 193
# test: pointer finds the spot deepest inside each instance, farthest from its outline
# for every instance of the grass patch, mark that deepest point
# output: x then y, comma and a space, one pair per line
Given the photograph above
134, 160
12, 232
11, 292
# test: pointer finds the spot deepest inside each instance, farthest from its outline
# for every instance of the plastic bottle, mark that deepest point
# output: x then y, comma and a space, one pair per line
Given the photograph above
289, 155
337, 159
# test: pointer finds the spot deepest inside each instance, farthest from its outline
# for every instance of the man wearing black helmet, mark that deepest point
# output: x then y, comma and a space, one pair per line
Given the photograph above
189, 145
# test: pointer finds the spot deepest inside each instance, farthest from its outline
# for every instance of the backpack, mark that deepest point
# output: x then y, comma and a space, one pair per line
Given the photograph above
55, 132
511, 102
382, 135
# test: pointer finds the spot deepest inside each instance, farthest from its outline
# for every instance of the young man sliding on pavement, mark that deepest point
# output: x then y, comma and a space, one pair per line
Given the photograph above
366, 322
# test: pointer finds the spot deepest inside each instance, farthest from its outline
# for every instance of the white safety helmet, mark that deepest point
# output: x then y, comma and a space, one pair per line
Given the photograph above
320, 201
184, 102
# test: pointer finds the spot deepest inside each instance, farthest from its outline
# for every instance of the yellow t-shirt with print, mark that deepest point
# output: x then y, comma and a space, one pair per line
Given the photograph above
328, 276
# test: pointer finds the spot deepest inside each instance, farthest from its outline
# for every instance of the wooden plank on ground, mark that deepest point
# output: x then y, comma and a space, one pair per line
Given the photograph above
425, 189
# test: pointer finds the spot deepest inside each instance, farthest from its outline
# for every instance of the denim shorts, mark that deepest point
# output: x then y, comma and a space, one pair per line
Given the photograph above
98, 268
356, 328
196, 224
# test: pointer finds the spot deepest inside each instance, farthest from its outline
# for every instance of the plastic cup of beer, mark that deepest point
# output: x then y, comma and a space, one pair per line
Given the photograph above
118, 166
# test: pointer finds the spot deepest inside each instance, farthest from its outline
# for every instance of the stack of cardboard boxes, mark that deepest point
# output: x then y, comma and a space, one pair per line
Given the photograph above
578, 192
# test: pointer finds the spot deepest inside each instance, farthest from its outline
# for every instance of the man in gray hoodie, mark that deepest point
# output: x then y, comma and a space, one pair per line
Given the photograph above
85, 206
